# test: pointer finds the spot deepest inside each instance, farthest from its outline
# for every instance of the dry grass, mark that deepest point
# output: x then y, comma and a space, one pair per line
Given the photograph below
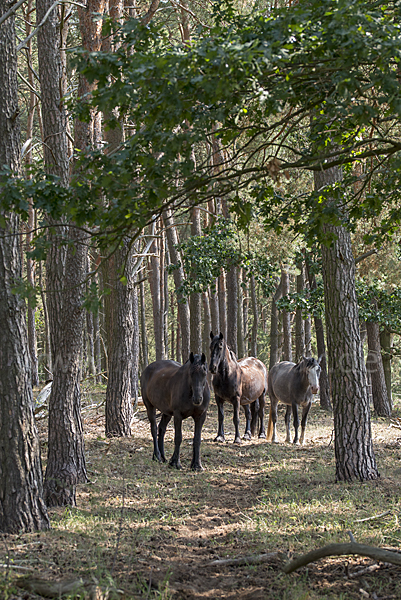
152, 532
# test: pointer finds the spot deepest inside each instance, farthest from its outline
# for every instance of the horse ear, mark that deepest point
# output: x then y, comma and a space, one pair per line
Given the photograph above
211, 335
203, 358
221, 335
191, 357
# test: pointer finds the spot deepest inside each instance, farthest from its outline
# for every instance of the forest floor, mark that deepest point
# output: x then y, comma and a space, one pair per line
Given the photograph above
143, 530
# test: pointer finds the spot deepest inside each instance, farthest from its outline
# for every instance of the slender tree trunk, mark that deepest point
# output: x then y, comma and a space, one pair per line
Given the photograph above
214, 307
207, 323
222, 304
308, 336
324, 393
232, 309
286, 316
178, 275
195, 300
374, 365
144, 335
155, 287
299, 318
64, 270
135, 343
274, 328
240, 319
386, 342
353, 445
22, 507
255, 324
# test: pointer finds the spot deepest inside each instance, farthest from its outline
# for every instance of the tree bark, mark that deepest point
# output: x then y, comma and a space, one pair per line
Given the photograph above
324, 394
64, 270
222, 304
155, 289
299, 320
374, 364
255, 323
178, 275
287, 338
232, 309
195, 300
274, 329
354, 453
240, 319
144, 335
22, 507
386, 342
214, 307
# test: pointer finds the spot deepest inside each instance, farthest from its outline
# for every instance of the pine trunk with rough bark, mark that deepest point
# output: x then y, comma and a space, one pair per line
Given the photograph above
386, 342
22, 507
355, 458
64, 274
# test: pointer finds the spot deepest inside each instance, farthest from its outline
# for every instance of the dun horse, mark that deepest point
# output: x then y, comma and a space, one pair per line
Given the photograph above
240, 382
180, 392
294, 385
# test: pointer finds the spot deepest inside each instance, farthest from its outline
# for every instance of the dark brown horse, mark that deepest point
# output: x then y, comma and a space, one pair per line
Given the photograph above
242, 383
178, 391
294, 385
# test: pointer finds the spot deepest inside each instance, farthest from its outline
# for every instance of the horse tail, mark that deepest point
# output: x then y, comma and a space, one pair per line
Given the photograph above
269, 434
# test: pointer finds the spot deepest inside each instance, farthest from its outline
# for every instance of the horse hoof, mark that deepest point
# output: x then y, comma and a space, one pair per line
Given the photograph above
219, 438
237, 441
175, 465
262, 436
157, 458
198, 468
247, 436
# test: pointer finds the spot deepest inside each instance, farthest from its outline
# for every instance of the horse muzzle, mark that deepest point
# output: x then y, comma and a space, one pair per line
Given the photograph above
213, 369
197, 401
314, 389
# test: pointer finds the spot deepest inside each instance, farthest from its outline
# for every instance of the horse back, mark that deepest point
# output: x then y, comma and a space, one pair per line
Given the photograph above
254, 379
157, 384
282, 379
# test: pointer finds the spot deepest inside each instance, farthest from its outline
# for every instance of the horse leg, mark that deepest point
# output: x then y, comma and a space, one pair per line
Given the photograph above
287, 420
164, 421
220, 410
196, 464
254, 406
261, 413
236, 405
175, 459
248, 426
305, 412
153, 429
296, 421
272, 425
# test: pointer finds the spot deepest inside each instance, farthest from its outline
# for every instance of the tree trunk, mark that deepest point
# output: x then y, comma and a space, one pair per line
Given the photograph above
222, 304
178, 275
308, 337
120, 330
324, 393
354, 453
155, 288
232, 309
299, 319
64, 270
255, 323
240, 319
195, 300
144, 335
274, 329
22, 507
207, 323
386, 342
374, 365
286, 316
214, 307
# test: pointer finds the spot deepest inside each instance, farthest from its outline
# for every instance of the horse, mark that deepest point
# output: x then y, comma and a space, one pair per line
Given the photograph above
178, 391
242, 383
294, 385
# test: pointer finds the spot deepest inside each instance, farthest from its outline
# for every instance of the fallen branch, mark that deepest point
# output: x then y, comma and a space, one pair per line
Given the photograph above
57, 589
388, 512
341, 550
244, 560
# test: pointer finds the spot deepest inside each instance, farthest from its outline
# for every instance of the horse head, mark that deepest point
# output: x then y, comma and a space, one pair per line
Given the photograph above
198, 376
311, 368
217, 350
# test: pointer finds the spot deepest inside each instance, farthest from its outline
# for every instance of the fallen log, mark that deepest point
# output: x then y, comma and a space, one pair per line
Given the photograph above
342, 550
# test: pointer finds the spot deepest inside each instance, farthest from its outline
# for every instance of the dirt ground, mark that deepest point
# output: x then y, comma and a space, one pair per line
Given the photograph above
150, 531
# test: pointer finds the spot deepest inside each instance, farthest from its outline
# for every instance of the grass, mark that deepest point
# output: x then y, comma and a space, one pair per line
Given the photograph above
152, 532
